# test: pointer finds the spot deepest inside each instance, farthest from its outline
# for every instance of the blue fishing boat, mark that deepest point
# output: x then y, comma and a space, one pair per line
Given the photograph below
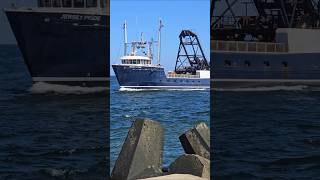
137, 70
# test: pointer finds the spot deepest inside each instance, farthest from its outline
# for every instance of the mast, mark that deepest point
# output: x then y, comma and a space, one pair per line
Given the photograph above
159, 40
125, 37
150, 49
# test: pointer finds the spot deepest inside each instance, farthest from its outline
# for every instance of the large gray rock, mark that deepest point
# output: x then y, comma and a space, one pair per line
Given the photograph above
197, 140
142, 150
191, 164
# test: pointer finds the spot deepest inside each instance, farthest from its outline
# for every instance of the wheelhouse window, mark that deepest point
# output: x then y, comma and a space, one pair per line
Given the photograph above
44, 3
91, 3
70, 3
66, 3
56, 3
78, 3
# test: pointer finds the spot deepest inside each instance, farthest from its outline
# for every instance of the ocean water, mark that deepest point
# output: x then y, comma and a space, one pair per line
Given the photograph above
176, 110
49, 131
266, 133
60, 132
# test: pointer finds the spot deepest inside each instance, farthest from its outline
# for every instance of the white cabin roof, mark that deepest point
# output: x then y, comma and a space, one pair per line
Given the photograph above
134, 57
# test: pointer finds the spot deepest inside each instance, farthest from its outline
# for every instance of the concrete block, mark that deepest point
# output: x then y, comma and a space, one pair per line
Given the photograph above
197, 140
191, 164
142, 149
149, 172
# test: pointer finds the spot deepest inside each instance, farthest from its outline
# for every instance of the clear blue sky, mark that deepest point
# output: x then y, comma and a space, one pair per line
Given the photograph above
143, 16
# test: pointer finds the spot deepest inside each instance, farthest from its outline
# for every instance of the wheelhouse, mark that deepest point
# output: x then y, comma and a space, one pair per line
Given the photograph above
73, 3
140, 60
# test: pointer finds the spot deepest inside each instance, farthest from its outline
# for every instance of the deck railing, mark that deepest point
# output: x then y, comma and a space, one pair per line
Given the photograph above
219, 45
73, 3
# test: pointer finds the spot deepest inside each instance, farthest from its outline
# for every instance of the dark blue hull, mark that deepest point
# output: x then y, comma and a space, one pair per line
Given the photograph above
244, 69
64, 50
154, 77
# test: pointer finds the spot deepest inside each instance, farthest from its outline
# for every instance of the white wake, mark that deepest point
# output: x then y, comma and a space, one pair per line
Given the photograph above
42, 88
124, 89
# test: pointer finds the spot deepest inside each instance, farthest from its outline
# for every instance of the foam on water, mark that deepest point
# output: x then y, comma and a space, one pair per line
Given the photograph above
42, 88
160, 89
271, 88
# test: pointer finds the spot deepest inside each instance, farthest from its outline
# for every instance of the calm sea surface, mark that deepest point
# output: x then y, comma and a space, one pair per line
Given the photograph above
48, 131
177, 111
266, 133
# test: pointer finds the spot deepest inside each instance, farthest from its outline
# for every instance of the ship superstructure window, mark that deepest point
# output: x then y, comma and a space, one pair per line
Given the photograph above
285, 64
44, 3
66, 3
56, 3
131, 60
78, 3
70, 3
91, 3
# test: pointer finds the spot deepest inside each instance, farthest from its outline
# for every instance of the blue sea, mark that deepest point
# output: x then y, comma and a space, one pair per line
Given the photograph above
266, 133
60, 132
49, 131
176, 110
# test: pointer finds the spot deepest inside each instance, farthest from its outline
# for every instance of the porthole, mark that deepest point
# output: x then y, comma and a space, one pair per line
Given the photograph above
285, 64
247, 63
266, 63
227, 63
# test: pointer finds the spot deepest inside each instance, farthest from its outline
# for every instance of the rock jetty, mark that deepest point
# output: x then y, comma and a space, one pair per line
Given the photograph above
142, 153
